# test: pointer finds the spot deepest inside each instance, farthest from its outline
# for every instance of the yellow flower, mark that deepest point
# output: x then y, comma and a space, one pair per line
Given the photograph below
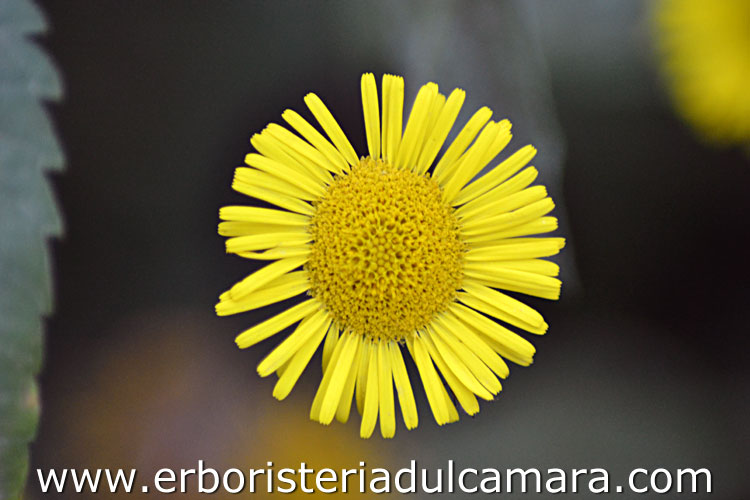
705, 52
393, 258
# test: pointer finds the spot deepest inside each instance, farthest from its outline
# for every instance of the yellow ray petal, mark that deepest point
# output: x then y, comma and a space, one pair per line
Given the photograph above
495, 311
338, 379
536, 266
502, 138
263, 276
281, 288
430, 380
301, 151
470, 164
460, 143
307, 329
475, 212
264, 241
260, 179
317, 403
278, 253
336, 163
371, 114
302, 180
458, 366
538, 226
452, 411
502, 307
239, 228
280, 370
332, 128
370, 411
263, 216
494, 275
330, 344
270, 147
497, 175
508, 188
436, 108
345, 403
440, 131
516, 250
403, 387
364, 364
466, 398
476, 158
273, 325
489, 328
385, 96
393, 115
560, 242
446, 326
471, 167
278, 199
508, 220
297, 364
416, 125
509, 354
385, 391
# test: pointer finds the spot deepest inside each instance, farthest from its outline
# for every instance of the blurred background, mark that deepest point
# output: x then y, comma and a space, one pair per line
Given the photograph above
645, 363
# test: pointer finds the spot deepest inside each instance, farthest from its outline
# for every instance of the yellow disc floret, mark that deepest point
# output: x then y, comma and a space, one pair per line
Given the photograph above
386, 253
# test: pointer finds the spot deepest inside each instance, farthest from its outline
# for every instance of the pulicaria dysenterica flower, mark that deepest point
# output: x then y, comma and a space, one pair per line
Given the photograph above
705, 54
397, 252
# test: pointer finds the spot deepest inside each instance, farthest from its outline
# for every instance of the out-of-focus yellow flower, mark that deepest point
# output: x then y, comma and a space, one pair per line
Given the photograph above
705, 53
396, 251
145, 411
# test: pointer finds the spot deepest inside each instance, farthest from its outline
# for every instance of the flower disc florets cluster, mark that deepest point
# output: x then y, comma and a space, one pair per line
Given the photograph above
386, 254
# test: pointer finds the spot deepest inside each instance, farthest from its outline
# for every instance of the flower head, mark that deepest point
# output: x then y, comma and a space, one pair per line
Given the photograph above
705, 52
397, 253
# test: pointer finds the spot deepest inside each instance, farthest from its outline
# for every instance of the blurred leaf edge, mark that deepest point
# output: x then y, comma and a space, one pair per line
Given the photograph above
29, 217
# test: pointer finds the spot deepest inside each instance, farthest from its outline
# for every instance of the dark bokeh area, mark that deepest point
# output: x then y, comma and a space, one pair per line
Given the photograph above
644, 365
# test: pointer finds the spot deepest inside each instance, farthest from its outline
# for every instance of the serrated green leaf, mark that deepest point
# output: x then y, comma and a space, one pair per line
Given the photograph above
28, 218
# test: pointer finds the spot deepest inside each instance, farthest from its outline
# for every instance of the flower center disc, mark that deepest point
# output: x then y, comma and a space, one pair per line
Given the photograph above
386, 253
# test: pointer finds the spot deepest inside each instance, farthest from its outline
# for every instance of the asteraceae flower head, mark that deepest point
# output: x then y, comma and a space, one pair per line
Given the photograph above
705, 53
397, 253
